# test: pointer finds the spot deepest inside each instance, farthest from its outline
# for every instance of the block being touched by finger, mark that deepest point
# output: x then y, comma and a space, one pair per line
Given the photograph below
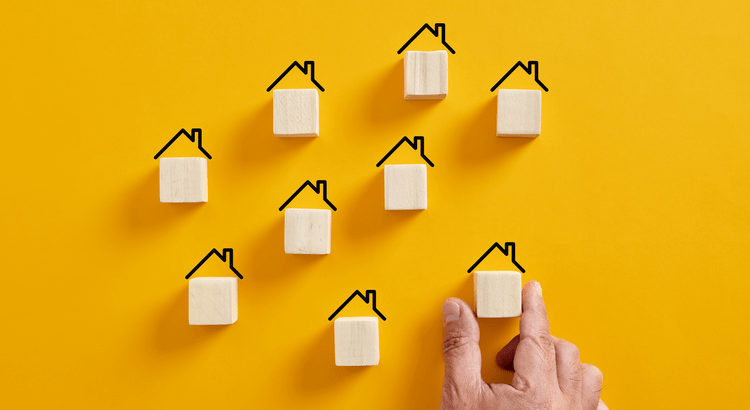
497, 294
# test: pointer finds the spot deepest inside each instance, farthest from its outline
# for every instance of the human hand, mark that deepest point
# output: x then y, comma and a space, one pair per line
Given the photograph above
548, 370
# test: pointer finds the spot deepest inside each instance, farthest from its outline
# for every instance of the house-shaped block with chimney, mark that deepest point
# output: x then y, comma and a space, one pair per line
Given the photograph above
295, 111
184, 179
308, 231
426, 72
519, 112
405, 186
356, 339
213, 300
497, 294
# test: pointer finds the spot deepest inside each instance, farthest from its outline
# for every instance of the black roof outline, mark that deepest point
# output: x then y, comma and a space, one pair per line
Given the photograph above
534, 64
309, 66
366, 297
434, 32
418, 143
228, 254
321, 184
508, 246
195, 132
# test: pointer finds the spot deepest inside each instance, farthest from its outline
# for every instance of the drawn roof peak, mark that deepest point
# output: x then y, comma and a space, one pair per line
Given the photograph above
369, 295
195, 134
309, 67
532, 66
510, 248
439, 30
418, 143
321, 185
226, 255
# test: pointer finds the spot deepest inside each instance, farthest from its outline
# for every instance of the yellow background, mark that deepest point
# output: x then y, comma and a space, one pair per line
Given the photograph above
631, 208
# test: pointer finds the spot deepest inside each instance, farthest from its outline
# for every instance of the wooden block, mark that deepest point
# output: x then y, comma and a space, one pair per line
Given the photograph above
212, 301
425, 75
356, 341
519, 113
497, 293
295, 113
405, 187
307, 231
183, 179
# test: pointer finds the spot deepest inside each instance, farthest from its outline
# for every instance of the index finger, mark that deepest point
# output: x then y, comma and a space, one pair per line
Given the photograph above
534, 321
534, 361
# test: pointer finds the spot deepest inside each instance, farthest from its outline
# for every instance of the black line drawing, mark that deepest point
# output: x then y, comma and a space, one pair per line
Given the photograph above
366, 297
309, 66
228, 254
418, 143
195, 133
509, 246
439, 29
321, 185
532, 64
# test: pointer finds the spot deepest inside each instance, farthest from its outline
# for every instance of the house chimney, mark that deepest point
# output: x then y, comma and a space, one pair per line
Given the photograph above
196, 133
228, 255
371, 295
323, 188
510, 248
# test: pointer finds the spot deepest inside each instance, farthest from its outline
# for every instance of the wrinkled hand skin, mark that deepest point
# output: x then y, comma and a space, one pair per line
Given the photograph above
548, 371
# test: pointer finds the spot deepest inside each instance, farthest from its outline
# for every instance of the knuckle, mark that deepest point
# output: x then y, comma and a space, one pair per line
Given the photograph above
543, 340
568, 348
455, 342
593, 373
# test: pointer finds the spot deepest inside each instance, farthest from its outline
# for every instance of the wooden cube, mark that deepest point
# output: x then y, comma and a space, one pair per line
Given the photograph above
425, 75
183, 179
497, 293
307, 231
212, 301
405, 187
295, 113
519, 113
356, 341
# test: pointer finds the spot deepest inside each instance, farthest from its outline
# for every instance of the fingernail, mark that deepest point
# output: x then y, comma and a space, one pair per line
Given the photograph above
451, 311
538, 288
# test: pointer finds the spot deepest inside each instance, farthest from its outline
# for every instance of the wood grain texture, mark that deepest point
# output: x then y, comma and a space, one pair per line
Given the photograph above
307, 231
212, 301
183, 179
425, 75
356, 341
519, 113
405, 187
295, 113
497, 293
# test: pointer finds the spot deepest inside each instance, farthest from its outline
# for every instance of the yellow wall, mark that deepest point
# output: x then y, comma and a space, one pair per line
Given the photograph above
631, 208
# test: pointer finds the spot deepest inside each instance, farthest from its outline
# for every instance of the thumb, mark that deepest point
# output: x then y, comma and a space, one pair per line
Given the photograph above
463, 359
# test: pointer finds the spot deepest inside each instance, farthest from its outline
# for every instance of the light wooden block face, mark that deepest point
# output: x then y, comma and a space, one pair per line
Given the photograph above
295, 113
519, 113
425, 75
356, 341
307, 231
183, 179
497, 293
405, 187
212, 301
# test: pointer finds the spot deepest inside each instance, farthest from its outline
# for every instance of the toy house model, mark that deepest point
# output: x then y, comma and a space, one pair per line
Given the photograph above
519, 112
295, 112
184, 179
356, 339
497, 294
213, 301
426, 72
406, 185
308, 231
